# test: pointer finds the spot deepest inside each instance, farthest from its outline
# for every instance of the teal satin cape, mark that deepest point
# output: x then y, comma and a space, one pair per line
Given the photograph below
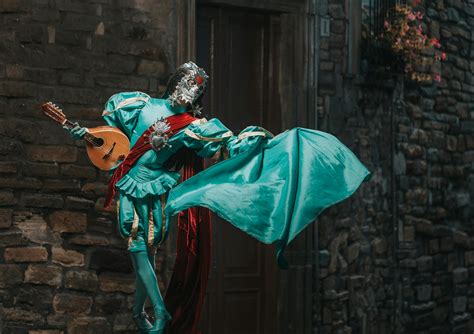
274, 188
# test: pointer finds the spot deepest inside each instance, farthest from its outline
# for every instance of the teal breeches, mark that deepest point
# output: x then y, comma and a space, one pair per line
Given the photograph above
140, 211
146, 283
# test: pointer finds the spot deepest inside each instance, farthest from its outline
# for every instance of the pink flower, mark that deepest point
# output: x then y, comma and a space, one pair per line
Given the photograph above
434, 42
443, 56
411, 16
419, 15
386, 25
437, 77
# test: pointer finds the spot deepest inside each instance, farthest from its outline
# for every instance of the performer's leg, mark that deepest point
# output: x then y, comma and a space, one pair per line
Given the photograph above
139, 315
126, 218
146, 275
140, 292
140, 297
151, 259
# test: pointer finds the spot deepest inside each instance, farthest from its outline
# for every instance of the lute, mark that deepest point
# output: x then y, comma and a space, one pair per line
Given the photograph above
107, 146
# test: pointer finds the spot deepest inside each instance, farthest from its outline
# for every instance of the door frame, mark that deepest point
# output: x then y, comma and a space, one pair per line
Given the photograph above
298, 309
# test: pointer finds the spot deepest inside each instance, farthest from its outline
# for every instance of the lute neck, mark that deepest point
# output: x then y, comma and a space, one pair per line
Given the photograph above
90, 138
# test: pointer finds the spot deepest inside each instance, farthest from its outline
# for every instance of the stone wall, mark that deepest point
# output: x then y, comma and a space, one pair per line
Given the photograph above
356, 236
62, 266
399, 256
436, 141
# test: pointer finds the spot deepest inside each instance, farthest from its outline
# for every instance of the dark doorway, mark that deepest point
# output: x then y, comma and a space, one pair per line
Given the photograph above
240, 51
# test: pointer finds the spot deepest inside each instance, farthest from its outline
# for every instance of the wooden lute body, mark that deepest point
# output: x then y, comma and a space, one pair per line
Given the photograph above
107, 146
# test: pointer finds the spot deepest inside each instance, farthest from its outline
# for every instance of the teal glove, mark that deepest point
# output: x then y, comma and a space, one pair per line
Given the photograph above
77, 132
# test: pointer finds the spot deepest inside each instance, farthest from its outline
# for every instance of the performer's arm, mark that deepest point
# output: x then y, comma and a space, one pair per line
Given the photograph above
213, 139
207, 138
77, 132
122, 110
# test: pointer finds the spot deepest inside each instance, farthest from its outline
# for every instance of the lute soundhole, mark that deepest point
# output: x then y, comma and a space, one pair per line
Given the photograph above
97, 142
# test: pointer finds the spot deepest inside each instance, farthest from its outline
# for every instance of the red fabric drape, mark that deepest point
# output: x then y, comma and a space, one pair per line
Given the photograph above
176, 122
186, 291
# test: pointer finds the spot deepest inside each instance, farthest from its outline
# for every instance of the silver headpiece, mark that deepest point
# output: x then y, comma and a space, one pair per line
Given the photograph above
190, 87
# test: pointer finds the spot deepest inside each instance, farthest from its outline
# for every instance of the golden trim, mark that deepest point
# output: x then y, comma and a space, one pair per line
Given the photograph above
209, 139
199, 121
151, 227
125, 103
263, 133
134, 229
118, 218
135, 224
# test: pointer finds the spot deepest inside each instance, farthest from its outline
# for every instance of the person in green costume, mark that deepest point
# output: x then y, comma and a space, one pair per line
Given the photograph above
269, 187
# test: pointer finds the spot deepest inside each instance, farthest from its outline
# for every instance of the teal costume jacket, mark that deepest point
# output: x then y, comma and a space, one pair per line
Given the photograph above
270, 188
141, 188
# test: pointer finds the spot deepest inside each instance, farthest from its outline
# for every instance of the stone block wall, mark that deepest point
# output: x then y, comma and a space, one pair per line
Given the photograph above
398, 256
435, 139
63, 268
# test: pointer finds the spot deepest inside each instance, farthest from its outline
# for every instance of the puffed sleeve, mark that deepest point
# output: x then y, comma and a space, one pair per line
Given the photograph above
206, 138
246, 139
122, 110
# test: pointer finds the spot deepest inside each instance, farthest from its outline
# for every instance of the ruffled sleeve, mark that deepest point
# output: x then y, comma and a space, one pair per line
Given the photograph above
122, 110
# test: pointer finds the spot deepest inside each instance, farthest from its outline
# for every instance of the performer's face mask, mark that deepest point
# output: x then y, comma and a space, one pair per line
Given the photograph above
191, 86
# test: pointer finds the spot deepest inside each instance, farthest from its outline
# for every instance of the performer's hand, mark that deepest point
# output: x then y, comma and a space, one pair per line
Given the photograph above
77, 132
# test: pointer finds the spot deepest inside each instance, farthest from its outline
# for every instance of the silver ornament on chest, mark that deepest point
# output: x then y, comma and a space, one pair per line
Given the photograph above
159, 137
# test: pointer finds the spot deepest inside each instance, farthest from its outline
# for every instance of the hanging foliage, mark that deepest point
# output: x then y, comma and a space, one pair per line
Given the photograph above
404, 34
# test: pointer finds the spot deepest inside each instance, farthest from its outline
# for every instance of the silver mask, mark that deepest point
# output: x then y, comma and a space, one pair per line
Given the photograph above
190, 87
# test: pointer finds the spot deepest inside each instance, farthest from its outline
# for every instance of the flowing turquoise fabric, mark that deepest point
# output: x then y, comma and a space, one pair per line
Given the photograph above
273, 188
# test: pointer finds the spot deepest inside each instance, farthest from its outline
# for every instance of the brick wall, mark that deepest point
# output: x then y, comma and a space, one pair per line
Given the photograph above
398, 256
62, 266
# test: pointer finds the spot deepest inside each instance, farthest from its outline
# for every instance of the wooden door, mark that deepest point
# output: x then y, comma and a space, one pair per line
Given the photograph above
238, 50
